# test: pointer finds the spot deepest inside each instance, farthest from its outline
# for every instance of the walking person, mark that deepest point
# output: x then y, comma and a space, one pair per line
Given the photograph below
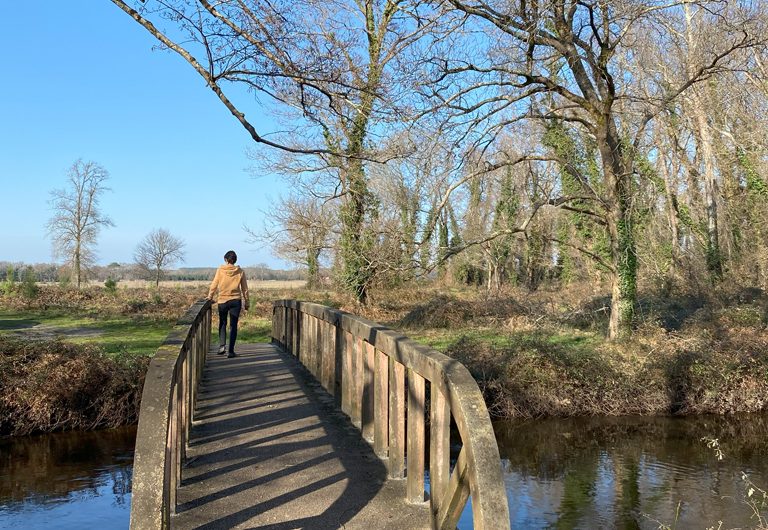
232, 297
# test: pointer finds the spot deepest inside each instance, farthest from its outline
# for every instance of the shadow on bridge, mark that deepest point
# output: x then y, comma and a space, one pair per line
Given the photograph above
270, 450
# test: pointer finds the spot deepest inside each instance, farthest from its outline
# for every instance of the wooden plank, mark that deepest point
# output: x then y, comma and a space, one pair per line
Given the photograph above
323, 352
456, 495
369, 353
415, 475
318, 347
381, 404
396, 419
346, 373
439, 447
299, 315
357, 382
330, 358
340, 345
288, 328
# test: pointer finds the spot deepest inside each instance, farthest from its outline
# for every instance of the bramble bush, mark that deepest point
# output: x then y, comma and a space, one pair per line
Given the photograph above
54, 385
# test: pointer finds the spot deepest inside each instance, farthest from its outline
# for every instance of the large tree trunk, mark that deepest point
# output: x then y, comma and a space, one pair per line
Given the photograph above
357, 271
618, 180
704, 137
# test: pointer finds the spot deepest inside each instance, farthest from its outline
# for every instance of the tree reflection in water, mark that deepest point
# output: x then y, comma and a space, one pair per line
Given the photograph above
67, 477
631, 473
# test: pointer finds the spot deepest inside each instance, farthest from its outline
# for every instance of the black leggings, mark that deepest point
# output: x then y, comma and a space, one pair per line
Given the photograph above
231, 308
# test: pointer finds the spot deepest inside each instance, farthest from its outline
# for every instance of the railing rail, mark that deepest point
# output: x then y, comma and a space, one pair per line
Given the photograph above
379, 378
166, 414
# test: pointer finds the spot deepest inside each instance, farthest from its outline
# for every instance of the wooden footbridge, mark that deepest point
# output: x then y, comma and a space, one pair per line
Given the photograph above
339, 423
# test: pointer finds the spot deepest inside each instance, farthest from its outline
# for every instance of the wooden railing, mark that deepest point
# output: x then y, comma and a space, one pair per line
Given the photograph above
167, 408
379, 378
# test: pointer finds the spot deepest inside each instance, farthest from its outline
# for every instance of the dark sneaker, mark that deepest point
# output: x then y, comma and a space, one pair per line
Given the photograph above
231, 354
222, 350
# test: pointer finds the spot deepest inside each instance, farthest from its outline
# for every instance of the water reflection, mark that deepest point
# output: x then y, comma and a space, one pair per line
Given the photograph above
66, 480
632, 473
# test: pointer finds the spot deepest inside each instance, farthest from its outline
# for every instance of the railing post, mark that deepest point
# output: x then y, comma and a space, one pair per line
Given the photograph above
357, 382
328, 357
439, 447
381, 404
396, 419
368, 392
415, 459
345, 348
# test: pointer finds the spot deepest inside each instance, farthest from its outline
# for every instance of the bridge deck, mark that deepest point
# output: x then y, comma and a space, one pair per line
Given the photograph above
269, 450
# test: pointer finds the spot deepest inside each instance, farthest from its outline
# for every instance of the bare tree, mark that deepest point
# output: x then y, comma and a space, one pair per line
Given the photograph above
157, 251
77, 219
571, 62
336, 70
299, 230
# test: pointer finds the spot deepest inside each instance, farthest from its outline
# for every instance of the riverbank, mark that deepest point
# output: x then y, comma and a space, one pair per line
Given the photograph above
533, 354
52, 385
542, 356
76, 359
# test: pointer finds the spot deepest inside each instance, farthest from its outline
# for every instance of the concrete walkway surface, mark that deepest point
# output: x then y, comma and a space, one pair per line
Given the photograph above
269, 450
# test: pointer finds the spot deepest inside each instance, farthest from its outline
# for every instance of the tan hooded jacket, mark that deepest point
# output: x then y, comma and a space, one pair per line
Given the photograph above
231, 284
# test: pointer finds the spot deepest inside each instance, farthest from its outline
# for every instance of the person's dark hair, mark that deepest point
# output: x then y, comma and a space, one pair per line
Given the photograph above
230, 257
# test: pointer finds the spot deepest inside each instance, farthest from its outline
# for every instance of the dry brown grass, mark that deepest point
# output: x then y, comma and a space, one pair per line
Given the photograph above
544, 353
536, 354
52, 385
266, 285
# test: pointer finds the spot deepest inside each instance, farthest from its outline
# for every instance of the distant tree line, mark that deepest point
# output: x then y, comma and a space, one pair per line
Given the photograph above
56, 273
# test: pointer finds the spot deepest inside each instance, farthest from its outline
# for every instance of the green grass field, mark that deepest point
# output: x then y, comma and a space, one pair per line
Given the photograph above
121, 334
116, 334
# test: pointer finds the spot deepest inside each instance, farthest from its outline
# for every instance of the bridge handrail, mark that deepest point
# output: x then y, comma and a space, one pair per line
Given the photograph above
166, 413
364, 365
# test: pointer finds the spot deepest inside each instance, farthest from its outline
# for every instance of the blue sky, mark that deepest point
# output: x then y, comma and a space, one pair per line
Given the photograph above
80, 80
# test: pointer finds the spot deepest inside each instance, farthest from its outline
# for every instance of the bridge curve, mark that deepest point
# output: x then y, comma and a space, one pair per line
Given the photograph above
379, 374
215, 435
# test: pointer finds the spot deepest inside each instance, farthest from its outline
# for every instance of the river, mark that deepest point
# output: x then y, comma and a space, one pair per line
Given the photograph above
633, 473
628, 473
71, 480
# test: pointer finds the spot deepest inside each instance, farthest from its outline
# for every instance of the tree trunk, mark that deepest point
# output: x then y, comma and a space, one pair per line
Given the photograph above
77, 263
313, 267
618, 180
704, 138
713, 252
673, 214
356, 268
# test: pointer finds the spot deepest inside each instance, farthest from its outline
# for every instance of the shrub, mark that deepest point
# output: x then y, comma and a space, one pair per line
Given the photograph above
29, 288
65, 280
111, 286
9, 285
53, 385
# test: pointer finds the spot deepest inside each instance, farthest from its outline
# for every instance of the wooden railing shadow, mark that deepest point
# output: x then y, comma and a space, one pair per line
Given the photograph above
362, 472
380, 380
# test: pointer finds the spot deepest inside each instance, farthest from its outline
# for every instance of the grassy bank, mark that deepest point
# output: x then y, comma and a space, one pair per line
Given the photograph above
541, 355
533, 354
136, 334
76, 359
